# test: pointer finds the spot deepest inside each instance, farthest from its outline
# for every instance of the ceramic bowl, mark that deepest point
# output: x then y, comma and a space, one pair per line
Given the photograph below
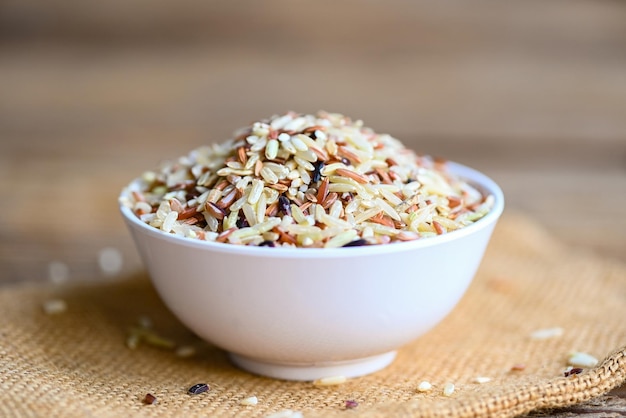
305, 314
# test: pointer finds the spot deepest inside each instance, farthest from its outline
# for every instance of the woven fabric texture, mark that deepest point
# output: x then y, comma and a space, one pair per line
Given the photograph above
76, 363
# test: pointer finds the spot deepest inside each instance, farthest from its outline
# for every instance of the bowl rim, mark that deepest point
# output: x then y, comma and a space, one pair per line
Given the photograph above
472, 176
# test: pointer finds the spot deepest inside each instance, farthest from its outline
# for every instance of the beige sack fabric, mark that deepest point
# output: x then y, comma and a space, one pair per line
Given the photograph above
76, 363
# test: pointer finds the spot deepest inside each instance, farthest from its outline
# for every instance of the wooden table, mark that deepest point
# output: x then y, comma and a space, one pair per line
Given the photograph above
533, 94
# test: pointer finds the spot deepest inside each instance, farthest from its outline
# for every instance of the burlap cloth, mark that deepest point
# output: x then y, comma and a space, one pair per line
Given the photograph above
76, 363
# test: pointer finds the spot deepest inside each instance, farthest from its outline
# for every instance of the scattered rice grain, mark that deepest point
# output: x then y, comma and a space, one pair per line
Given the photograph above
198, 388
546, 333
448, 389
250, 401
580, 359
424, 386
156, 340
351, 404
285, 413
185, 351
519, 367
54, 306
110, 261
58, 272
149, 399
570, 371
330, 381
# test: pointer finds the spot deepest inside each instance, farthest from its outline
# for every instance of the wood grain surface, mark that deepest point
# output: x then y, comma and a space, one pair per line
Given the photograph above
531, 93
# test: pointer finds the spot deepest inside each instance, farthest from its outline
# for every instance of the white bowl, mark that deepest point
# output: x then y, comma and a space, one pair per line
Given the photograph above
305, 314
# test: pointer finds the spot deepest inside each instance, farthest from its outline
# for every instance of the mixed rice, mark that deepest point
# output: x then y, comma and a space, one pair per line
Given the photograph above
313, 181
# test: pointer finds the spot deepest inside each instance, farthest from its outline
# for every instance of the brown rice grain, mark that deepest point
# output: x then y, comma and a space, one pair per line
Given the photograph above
227, 200
384, 176
390, 162
149, 399
311, 195
303, 207
243, 157
176, 205
331, 198
359, 178
272, 210
314, 128
215, 211
382, 220
321, 155
439, 228
223, 237
279, 186
342, 151
323, 190
257, 168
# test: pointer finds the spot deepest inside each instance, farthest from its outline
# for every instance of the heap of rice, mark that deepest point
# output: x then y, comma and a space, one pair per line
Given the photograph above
312, 181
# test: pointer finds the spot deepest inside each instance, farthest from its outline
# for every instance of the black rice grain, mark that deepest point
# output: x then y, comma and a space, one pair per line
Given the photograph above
283, 203
317, 172
575, 370
356, 243
198, 388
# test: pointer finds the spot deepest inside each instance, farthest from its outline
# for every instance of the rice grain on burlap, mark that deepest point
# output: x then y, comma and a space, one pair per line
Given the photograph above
76, 364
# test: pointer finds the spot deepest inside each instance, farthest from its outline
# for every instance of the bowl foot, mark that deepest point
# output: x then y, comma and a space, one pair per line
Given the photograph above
286, 371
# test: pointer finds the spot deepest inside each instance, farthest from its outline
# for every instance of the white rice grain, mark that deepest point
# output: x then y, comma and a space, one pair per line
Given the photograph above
304, 163
250, 214
330, 381
424, 386
269, 176
110, 261
185, 351
580, 359
255, 192
261, 206
250, 401
546, 333
54, 306
286, 413
448, 389
391, 212
341, 239
364, 216
168, 222
298, 144
58, 272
